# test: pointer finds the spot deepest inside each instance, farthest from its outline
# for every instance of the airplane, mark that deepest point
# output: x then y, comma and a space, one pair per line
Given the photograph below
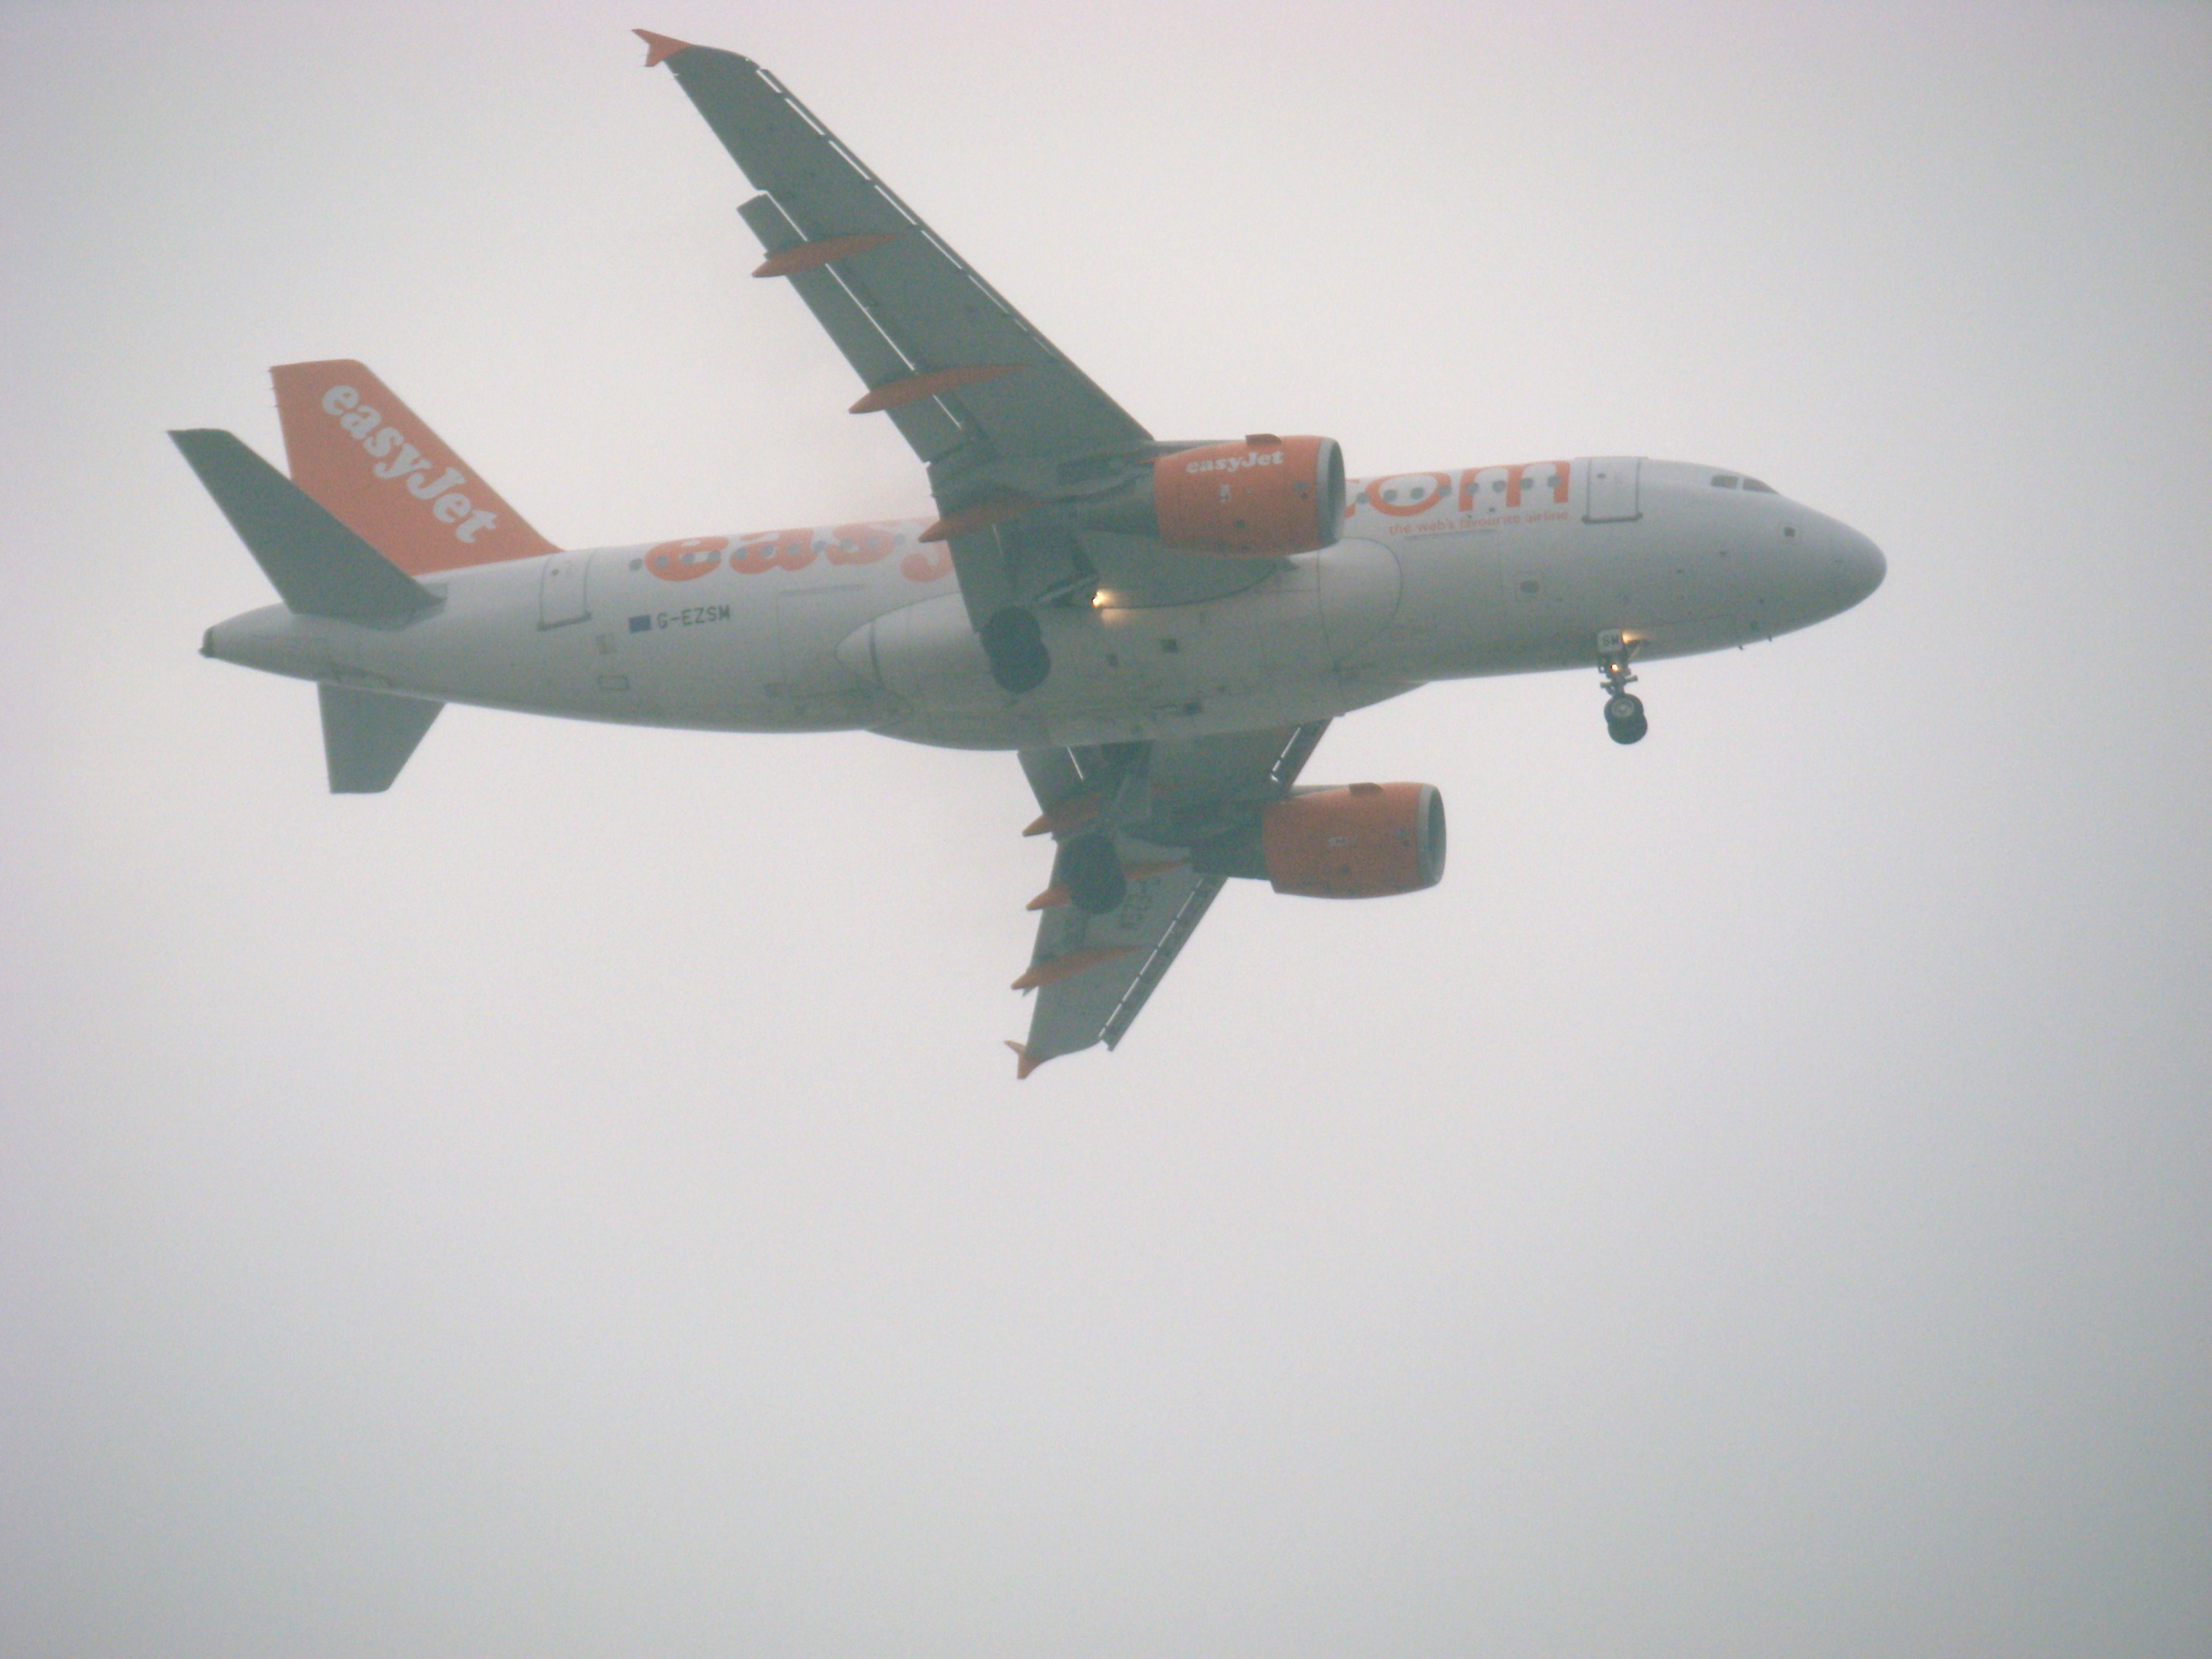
1161, 630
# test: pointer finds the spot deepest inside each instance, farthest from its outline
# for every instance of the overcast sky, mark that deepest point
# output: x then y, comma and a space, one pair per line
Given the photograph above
578, 1204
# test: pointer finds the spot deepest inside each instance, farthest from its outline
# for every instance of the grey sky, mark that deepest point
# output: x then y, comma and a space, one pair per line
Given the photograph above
578, 1204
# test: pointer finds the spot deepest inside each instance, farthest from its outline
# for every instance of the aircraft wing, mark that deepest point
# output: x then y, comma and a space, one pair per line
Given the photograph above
905, 307
1161, 802
991, 406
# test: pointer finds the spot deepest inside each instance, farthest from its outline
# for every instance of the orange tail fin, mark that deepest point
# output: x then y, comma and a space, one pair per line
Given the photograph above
369, 459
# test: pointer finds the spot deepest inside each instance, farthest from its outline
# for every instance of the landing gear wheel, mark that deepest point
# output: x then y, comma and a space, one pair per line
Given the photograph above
1624, 718
1624, 710
1092, 871
1015, 645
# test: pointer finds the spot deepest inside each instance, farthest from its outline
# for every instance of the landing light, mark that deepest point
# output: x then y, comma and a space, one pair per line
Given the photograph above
1100, 598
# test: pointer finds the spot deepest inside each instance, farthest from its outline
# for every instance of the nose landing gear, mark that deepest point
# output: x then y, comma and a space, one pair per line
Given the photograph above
1624, 718
1624, 710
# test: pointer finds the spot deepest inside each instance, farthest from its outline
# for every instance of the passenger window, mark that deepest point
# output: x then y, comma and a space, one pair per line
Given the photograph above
1753, 483
1725, 481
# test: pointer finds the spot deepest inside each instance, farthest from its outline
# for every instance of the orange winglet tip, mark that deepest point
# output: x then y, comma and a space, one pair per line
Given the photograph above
660, 48
976, 518
812, 256
1051, 899
915, 387
1068, 966
1075, 811
1024, 1062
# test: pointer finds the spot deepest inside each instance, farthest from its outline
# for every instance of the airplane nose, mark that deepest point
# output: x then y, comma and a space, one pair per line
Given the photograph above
1855, 567
1846, 564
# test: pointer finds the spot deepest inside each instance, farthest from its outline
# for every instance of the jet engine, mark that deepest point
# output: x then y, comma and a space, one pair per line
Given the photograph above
1259, 498
1357, 841
1361, 840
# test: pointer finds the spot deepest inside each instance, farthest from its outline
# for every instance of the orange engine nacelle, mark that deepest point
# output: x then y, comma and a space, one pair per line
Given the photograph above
1256, 499
1264, 496
1364, 841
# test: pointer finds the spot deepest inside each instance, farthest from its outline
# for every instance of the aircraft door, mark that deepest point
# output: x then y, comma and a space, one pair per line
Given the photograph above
560, 590
1610, 495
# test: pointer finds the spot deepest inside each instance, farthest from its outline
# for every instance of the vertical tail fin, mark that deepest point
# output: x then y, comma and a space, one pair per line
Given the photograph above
387, 478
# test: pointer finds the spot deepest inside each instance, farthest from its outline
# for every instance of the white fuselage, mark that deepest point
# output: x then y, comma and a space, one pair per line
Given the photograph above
1438, 575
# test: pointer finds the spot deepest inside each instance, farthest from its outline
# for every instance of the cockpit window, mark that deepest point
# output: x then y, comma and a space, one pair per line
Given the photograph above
1725, 481
1763, 488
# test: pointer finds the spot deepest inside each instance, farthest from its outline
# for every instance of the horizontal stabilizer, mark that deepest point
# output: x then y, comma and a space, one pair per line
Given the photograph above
369, 735
320, 568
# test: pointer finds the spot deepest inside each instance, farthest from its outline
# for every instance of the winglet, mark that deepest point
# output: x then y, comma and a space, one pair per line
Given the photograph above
1024, 1062
659, 48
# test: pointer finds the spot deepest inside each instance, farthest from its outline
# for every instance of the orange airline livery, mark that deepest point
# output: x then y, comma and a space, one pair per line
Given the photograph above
1161, 630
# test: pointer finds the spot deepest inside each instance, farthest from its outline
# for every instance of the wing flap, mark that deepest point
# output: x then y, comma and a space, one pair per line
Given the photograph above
929, 428
1154, 967
1030, 560
1117, 959
1093, 974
